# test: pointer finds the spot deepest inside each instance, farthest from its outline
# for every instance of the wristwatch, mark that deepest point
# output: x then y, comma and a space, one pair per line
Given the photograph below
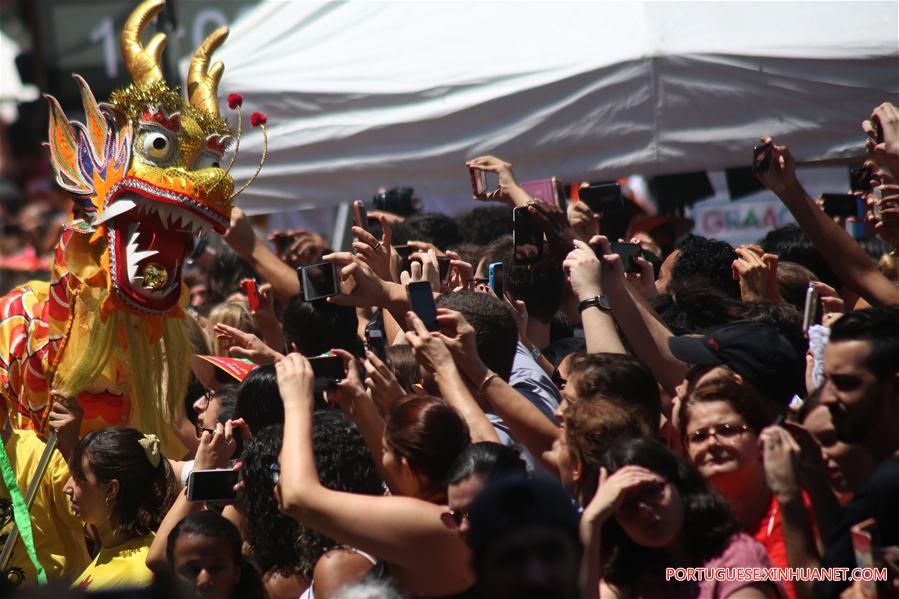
536, 353
599, 301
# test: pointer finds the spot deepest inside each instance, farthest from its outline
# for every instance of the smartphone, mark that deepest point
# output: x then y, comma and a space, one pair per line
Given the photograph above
374, 340
497, 279
478, 181
360, 215
546, 190
249, 288
878, 130
603, 198
404, 252
761, 158
865, 547
810, 313
319, 281
421, 300
282, 242
328, 371
444, 263
840, 204
212, 485
860, 179
629, 253
527, 237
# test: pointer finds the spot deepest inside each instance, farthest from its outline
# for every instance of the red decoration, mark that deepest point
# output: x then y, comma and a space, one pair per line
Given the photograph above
217, 143
234, 100
158, 116
257, 119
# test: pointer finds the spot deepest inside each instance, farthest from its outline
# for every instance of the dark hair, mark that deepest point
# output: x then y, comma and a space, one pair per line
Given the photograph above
223, 277
788, 321
401, 362
496, 329
792, 283
592, 427
618, 377
485, 223
429, 434
790, 244
696, 308
146, 492
485, 459
880, 328
258, 399
431, 227
317, 327
212, 524
468, 252
708, 523
540, 289
343, 463
704, 259
227, 395
743, 399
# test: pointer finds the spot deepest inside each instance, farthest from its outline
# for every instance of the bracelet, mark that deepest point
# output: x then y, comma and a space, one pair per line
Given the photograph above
490, 376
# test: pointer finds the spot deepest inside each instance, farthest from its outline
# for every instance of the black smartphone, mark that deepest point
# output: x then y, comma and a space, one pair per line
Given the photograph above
360, 215
444, 263
527, 237
212, 485
629, 253
496, 279
761, 158
328, 371
374, 340
840, 204
282, 242
404, 252
421, 300
319, 281
603, 198
860, 179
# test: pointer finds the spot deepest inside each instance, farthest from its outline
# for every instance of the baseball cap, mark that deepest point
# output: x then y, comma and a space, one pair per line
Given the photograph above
757, 351
204, 368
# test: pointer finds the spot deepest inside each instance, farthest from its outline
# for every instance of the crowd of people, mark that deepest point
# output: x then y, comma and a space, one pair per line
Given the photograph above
578, 426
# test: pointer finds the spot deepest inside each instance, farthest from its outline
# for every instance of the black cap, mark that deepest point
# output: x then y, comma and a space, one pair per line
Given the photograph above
757, 351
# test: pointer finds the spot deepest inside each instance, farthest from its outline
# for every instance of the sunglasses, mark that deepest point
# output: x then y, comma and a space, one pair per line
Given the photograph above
722, 432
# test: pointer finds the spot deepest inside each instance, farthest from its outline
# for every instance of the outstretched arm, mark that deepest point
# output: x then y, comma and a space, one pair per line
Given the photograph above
424, 555
843, 255
264, 262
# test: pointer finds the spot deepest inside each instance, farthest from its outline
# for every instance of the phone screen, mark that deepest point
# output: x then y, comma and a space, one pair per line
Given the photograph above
374, 339
603, 198
840, 204
860, 179
527, 237
478, 181
445, 265
810, 314
319, 280
497, 279
421, 300
328, 371
761, 158
629, 253
212, 485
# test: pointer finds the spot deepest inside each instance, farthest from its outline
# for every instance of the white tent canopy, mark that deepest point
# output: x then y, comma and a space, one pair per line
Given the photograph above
367, 94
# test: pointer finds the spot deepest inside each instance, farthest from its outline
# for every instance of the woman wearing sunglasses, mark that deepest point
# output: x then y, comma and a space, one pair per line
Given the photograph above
721, 422
653, 511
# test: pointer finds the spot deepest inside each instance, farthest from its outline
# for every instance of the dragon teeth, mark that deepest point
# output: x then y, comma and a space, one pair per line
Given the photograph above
117, 208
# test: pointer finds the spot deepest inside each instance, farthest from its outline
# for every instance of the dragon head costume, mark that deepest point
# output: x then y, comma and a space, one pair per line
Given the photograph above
145, 171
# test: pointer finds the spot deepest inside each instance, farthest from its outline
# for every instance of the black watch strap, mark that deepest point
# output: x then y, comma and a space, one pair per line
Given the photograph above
599, 301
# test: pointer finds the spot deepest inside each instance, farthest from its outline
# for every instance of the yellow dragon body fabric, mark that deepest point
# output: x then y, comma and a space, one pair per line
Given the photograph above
108, 327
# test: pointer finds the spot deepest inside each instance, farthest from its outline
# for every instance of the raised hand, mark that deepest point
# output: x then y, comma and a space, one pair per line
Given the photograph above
884, 119
374, 253
507, 181
780, 176
383, 384
296, 381
757, 273
368, 289
65, 419
246, 345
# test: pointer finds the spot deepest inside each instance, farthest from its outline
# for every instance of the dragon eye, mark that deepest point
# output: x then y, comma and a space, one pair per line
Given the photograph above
207, 160
157, 146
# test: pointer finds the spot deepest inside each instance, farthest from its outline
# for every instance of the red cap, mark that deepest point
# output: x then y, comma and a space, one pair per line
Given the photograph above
202, 366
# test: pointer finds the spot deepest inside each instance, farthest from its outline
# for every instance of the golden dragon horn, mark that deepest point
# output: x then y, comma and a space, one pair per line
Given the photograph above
202, 84
143, 62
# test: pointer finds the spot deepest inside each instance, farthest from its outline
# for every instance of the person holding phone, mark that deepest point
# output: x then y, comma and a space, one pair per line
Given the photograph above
422, 437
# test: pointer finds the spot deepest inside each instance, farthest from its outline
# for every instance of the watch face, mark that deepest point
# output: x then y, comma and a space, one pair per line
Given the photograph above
604, 302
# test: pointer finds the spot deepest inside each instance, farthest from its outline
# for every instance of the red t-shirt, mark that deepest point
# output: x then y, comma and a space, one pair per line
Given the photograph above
768, 531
